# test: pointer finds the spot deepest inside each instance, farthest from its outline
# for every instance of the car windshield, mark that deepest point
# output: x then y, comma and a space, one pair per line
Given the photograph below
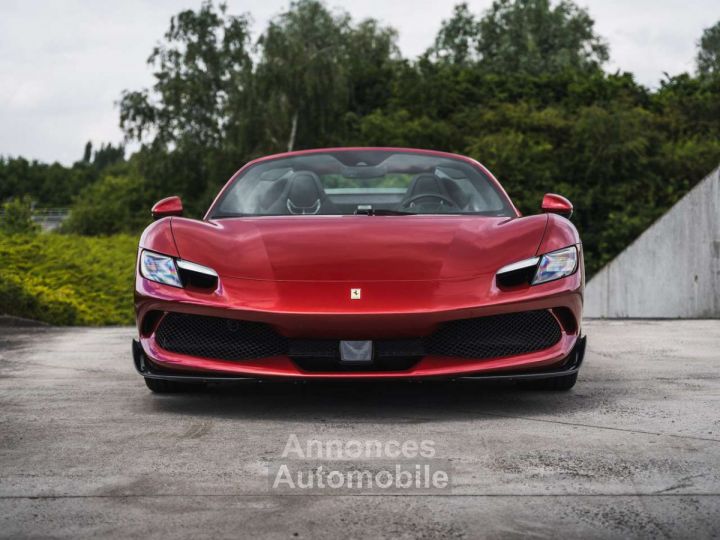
374, 182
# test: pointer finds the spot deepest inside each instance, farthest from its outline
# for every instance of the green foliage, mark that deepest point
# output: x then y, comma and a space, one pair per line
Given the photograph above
522, 36
16, 216
217, 102
49, 185
302, 73
198, 70
108, 155
402, 129
457, 40
55, 185
708, 57
197, 106
68, 280
112, 205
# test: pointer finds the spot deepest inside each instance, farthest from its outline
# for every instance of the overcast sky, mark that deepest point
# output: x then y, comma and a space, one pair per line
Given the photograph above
64, 63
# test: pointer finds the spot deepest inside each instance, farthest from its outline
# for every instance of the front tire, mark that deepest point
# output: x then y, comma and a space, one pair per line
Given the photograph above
554, 384
161, 386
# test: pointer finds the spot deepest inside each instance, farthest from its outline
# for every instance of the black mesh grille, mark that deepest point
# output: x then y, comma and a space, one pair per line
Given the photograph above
314, 348
215, 337
494, 336
482, 337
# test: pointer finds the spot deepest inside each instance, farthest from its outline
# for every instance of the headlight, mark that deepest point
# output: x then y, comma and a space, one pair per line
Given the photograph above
177, 273
556, 265
159, 268
548, 267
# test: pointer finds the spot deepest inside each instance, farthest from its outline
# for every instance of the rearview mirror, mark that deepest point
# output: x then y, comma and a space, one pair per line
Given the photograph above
170, 206
557, 204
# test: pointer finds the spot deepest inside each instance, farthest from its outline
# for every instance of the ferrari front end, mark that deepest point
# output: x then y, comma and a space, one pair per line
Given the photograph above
346, 276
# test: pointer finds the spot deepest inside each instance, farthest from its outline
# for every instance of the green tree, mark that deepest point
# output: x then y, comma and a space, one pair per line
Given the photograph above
47, 185
522, 36
197, 120
457, 40
55, 185
108, 155
87, 154
302, 72
212, 108
198, 70
708, 57
371, 58
16, 216
114, 204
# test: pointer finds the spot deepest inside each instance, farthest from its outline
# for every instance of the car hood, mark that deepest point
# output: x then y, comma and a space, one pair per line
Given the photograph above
358, 248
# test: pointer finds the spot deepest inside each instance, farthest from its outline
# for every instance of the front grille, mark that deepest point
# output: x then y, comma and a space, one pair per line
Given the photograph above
494, 336
482, 337
314, 348
215, 337
324, 355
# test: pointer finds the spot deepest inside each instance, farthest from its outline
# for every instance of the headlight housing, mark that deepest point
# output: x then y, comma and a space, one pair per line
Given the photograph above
536, 270
556, 264
176, 273
159, 268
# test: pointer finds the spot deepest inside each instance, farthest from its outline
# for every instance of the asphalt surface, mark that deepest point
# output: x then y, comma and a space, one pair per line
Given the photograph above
632, 451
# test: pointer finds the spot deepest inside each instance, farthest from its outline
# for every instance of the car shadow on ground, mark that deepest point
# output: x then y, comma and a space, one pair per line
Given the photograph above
376, 401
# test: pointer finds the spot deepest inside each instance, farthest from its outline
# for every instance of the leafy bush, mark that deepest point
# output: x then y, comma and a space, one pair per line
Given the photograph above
67, 279
17, 216
114, 204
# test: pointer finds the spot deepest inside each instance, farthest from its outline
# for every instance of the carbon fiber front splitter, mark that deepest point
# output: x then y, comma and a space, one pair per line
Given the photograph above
571, 365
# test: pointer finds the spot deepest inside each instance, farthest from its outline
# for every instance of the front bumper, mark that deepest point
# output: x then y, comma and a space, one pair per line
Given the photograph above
388, 310
570, 366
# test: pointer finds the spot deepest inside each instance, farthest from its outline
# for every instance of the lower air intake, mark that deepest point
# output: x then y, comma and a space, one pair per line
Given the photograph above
215, 337
495, 336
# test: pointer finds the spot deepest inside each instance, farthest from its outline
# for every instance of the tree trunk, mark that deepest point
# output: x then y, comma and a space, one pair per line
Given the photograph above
293, 131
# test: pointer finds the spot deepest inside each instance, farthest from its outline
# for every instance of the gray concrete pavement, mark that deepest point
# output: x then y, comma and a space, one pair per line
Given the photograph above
633, 450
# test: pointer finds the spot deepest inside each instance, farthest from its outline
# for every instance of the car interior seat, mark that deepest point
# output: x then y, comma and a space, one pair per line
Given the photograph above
429, 184
302, 194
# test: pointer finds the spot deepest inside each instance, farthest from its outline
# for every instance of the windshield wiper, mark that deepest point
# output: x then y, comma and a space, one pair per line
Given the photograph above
382, 212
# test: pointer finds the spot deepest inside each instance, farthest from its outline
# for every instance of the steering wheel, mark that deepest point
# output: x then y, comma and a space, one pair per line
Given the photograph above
442, 198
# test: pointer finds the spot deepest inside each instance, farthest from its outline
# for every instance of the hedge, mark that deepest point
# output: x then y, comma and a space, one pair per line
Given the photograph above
68, 279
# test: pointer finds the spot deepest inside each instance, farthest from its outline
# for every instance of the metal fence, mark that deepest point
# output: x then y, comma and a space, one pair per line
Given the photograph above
49, 219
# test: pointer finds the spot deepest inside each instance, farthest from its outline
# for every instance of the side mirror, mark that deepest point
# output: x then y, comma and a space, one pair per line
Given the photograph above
557, 204
170, 206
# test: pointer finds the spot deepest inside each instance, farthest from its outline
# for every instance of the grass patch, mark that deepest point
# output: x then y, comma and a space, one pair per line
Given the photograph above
68, 279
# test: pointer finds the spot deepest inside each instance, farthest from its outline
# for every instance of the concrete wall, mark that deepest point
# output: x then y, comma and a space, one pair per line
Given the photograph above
672, 269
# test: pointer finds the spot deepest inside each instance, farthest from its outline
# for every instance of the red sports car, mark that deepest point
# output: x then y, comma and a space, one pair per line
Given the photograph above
360, 263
